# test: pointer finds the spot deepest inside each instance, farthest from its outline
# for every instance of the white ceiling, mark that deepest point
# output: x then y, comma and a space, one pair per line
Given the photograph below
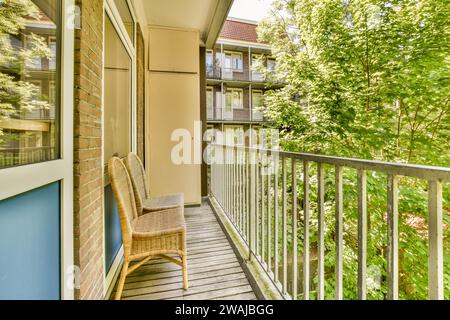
193, 14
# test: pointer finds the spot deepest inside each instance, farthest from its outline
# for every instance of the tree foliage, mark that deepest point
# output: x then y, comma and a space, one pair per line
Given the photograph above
16, 94
367, 79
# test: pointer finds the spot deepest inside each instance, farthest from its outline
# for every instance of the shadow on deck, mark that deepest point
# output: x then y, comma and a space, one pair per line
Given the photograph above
213, 268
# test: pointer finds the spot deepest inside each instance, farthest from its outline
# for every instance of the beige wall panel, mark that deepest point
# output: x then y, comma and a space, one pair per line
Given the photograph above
173, 50
174, 104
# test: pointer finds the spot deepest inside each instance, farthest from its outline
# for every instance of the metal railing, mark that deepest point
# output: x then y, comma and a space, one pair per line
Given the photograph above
21, 156
246, 184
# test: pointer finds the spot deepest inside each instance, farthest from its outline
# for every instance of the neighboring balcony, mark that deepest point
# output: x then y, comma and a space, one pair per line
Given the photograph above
213, 72
234, 115
216, 72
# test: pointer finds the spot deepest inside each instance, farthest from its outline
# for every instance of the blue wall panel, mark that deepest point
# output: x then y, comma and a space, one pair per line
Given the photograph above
30, 245
113, 232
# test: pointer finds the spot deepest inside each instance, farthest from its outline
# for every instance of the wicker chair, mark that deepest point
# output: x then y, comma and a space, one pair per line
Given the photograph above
150, 235
144, 202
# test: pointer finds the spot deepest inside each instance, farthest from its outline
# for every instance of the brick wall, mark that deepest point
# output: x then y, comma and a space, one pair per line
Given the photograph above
88, 179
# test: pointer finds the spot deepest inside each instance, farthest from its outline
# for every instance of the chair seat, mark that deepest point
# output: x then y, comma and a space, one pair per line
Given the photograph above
164, 202
159, 223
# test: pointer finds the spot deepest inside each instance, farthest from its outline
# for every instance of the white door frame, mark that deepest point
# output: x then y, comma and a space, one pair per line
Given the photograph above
111, 11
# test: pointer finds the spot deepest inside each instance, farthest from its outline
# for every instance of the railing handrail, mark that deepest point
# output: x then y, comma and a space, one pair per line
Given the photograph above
411, 170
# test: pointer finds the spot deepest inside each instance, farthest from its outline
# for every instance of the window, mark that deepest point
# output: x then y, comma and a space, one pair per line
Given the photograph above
257, 103
209, 59
52, 46
256, 75
25, 135
234, 99
257, 98
234, 135
117, 95
209, 102
271, 64
234, 61
127, 17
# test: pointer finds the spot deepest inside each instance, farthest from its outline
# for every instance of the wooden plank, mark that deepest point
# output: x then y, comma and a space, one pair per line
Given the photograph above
321, 231
181, 293
339, 196
218, 293
164, 274
306, 216
435, 242
239, 297
193, 283
178, 278
362, 235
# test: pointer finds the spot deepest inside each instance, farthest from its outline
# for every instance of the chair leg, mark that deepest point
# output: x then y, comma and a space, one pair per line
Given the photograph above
123, 276
185, 272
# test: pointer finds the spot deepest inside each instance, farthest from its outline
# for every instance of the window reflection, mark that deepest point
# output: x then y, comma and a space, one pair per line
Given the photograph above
28, 82
117, 95
127, 18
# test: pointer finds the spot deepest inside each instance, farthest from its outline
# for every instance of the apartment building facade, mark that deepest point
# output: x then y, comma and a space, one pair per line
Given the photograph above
235, 85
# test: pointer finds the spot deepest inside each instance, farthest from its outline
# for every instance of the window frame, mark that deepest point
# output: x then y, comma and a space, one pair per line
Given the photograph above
233, 54
210, 89
113, 14
233, 90
235, 128
270, 58
59, 170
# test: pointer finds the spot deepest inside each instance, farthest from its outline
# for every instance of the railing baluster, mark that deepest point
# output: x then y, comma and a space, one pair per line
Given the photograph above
269, 212
321, 231
435, 242
236, 189
284, 213
392, 221
306, 230
263, 208
258, 168
362, 235
253, 195
275, 191
339, 232
227, 182
241, 196
294, 231
247, 193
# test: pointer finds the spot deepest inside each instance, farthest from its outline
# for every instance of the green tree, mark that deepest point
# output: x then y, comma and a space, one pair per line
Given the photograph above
367, 79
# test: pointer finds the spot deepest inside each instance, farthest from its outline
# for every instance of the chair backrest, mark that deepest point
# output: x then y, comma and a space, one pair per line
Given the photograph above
139, 180
123, 192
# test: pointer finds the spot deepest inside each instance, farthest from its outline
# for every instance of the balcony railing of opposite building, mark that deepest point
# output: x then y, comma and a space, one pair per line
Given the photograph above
20, 156
213, 72
254, 189
226, 114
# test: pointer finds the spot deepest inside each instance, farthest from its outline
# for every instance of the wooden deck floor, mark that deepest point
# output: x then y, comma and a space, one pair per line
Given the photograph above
214, 271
